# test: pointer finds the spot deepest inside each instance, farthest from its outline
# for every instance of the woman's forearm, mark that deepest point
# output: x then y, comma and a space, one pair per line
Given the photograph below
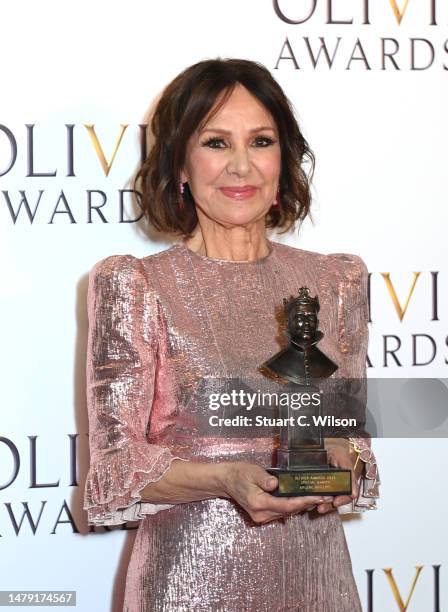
249, 485
186, 481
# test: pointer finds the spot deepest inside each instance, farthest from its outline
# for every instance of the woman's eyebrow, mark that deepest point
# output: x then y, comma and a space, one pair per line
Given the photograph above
223, 131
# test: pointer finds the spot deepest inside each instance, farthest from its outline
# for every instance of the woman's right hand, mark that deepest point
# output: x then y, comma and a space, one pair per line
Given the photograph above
251, 486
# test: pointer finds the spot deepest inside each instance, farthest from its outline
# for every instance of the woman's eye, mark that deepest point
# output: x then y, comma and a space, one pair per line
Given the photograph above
220, 143
263, 141
214, 143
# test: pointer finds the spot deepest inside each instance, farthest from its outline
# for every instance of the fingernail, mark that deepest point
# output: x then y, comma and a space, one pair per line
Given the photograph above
270, 482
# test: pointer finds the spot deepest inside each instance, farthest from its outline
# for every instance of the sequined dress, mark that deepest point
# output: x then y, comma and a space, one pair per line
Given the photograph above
165, 332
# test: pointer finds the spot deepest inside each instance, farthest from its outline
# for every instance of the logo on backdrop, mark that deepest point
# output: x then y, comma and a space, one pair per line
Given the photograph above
44, 202
403, 605
37, 516
419, 347
395, 50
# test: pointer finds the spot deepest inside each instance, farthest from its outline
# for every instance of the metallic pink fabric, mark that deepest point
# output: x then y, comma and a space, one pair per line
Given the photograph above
166, 331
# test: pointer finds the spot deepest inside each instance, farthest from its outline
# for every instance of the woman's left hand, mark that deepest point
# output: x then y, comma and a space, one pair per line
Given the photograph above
340, 455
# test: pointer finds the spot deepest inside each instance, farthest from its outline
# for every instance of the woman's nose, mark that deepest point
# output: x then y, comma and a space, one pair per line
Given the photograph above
239, 162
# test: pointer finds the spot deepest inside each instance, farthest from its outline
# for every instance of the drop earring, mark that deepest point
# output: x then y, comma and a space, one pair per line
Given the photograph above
181, 190
276, 202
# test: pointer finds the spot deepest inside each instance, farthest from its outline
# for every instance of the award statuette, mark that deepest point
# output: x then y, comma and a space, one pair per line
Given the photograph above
302, 466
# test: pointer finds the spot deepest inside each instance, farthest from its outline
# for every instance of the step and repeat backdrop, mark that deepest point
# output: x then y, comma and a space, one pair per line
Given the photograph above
368, 81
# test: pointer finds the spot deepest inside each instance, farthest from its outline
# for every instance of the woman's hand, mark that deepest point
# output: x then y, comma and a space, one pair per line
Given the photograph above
340, 455
250, 486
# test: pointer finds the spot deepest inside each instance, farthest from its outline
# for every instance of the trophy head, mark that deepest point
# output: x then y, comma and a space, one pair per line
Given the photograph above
302, 315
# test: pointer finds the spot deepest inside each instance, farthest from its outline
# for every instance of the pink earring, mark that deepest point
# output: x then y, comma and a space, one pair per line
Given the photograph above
276, 203
181, 200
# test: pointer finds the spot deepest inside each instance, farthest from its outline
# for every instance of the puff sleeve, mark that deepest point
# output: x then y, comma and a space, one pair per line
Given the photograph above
353, 337
121, 368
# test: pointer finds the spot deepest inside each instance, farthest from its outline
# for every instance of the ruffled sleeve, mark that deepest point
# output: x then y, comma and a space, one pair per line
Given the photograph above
353, 337
121, 369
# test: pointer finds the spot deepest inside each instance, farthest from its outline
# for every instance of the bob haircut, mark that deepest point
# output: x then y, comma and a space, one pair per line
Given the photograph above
186, 104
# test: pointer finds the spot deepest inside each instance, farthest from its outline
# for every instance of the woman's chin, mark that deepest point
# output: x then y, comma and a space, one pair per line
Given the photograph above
239, 216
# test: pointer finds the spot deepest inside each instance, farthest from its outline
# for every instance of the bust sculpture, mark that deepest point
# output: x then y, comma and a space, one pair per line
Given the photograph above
301, 360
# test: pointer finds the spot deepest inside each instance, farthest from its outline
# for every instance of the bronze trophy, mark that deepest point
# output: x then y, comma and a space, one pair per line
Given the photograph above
301, 465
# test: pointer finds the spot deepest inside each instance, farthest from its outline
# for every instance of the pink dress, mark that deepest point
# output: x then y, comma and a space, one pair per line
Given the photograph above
165, 332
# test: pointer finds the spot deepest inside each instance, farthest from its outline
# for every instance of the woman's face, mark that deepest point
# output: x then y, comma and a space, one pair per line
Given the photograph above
233, 163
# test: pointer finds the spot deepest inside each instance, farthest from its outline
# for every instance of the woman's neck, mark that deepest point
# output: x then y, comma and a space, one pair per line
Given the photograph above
234, 244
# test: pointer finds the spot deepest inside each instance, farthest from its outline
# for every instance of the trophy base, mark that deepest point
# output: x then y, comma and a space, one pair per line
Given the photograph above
294, 482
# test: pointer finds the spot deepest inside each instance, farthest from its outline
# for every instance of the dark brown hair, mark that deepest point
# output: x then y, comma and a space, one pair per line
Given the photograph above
184, 106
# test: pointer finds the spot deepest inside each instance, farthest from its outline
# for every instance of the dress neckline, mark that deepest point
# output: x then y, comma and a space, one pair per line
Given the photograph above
262, 260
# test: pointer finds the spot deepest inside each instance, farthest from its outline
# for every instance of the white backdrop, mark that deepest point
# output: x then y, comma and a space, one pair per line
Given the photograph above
377, 125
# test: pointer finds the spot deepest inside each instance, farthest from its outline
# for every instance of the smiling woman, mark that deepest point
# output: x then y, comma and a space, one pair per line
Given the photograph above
234, 171
171, 331
225, 115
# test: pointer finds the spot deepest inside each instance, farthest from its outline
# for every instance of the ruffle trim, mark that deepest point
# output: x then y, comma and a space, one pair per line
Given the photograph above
369, 480
114, 482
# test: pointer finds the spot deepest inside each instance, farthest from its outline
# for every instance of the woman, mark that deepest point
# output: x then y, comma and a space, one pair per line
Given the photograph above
171, 329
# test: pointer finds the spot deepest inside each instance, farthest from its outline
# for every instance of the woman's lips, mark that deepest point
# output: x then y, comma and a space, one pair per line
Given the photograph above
238, 193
